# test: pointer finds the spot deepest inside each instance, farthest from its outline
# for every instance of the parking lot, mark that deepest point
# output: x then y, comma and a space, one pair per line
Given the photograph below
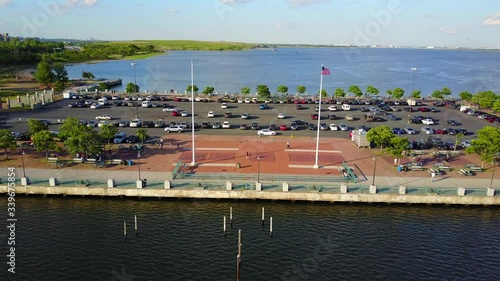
16, 121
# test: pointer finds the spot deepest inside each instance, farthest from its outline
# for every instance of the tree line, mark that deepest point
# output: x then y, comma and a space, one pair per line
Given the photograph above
485, 99
31, 51
77, 137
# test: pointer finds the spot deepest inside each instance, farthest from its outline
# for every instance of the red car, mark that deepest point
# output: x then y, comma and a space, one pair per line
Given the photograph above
303, 101
424, 109
296, 101
176, 113
440, 131
283, 128
314, 116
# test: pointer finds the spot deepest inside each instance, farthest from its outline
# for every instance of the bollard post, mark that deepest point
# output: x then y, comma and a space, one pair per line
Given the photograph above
262, 215
124, 229
231, 215
224, 225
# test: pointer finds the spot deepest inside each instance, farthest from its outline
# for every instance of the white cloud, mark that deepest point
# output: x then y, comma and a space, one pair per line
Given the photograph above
74, 3
285, 26
234, 2
4, 2
173, 11
447, 29
297, 3
89, 3
493, 20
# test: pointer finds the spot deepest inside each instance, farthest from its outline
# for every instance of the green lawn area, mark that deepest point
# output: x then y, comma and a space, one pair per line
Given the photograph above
188, 45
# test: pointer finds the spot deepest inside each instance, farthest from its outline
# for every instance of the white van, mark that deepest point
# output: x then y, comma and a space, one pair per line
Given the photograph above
120, 137
346, 107
103, 101
147, 104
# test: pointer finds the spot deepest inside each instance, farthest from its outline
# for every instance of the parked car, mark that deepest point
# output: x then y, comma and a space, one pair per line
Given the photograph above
410, 131
226, 125
223, 105
243, 126
174, 128
398, 131
103, 117
334, 127
266, 132
440, 131
184, 113
312, 127
216, 125
245, 116
332, 108
343, 127
254, 126
323, 127
428, 122
349, 118
427, 130
452, 122
281, 116
131, 139
283, 128
136, 123
465, 143
314, 116
210, 114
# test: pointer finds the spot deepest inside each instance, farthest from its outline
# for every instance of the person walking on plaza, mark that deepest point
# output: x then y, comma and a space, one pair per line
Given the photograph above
161, 143
288, 145
247, 155
433, 176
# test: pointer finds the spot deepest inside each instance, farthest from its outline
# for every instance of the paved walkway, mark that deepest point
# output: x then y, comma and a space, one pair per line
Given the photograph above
264, 156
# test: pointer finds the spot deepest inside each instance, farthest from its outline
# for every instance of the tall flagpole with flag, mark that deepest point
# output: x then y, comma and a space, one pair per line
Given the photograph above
324, 71
193, 163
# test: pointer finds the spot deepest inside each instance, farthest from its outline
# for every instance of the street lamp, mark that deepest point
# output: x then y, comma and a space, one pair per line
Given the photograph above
139, 163
374, 168
414, 70
134, 64
493, 173
258, 168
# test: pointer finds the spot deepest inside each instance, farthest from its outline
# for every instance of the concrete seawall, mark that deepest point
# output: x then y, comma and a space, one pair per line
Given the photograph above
312, 196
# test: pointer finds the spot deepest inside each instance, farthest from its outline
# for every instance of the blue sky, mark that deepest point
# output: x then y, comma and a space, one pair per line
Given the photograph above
467, 23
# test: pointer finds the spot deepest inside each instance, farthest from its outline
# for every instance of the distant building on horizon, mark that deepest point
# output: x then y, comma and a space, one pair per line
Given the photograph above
4, 37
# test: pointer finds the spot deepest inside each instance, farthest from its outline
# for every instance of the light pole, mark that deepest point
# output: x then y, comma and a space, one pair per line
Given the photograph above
374, 168
414, 70
258, 168
493, 173
22, 159
134, 64
139, 163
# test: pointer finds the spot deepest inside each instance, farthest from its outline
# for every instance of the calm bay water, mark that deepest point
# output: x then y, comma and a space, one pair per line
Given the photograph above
460, 70
82, 239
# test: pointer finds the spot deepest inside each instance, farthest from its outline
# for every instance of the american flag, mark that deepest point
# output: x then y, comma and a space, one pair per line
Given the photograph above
325, 71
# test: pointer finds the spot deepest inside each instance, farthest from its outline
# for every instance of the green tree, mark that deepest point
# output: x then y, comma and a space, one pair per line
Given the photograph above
389, 93
339, 92
70, 127
86, 141
355, 90
301, 89
487, 143
132, 88
7, 141
416, 94
458, 137
397, 146
324, 93
496, 106
142, 134
398, 93
44, 74
60, 72
87, 75
372, 90
108, 131
44, 141
35, 126
208, 90
485, 99
446, 92
282, 89
465, 96
263, 91
195, 88
437, 94
102, 87
380, 136
245, 91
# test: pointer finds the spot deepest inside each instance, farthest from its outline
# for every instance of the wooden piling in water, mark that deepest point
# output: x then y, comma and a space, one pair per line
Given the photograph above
262, 215
125, 228
271, 226
135, 225
231, 215
224, 224
238, 258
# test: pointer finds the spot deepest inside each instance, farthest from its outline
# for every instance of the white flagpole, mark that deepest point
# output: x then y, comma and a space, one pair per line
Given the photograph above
193, 163
316, 166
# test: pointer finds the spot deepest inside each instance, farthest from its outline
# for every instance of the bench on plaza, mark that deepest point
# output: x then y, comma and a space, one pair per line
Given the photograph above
77, 160
416, 168
454, 153
418, 152
53, 161
435, 170
469, 165
90, 161
465, 172
476, 169
116, 162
